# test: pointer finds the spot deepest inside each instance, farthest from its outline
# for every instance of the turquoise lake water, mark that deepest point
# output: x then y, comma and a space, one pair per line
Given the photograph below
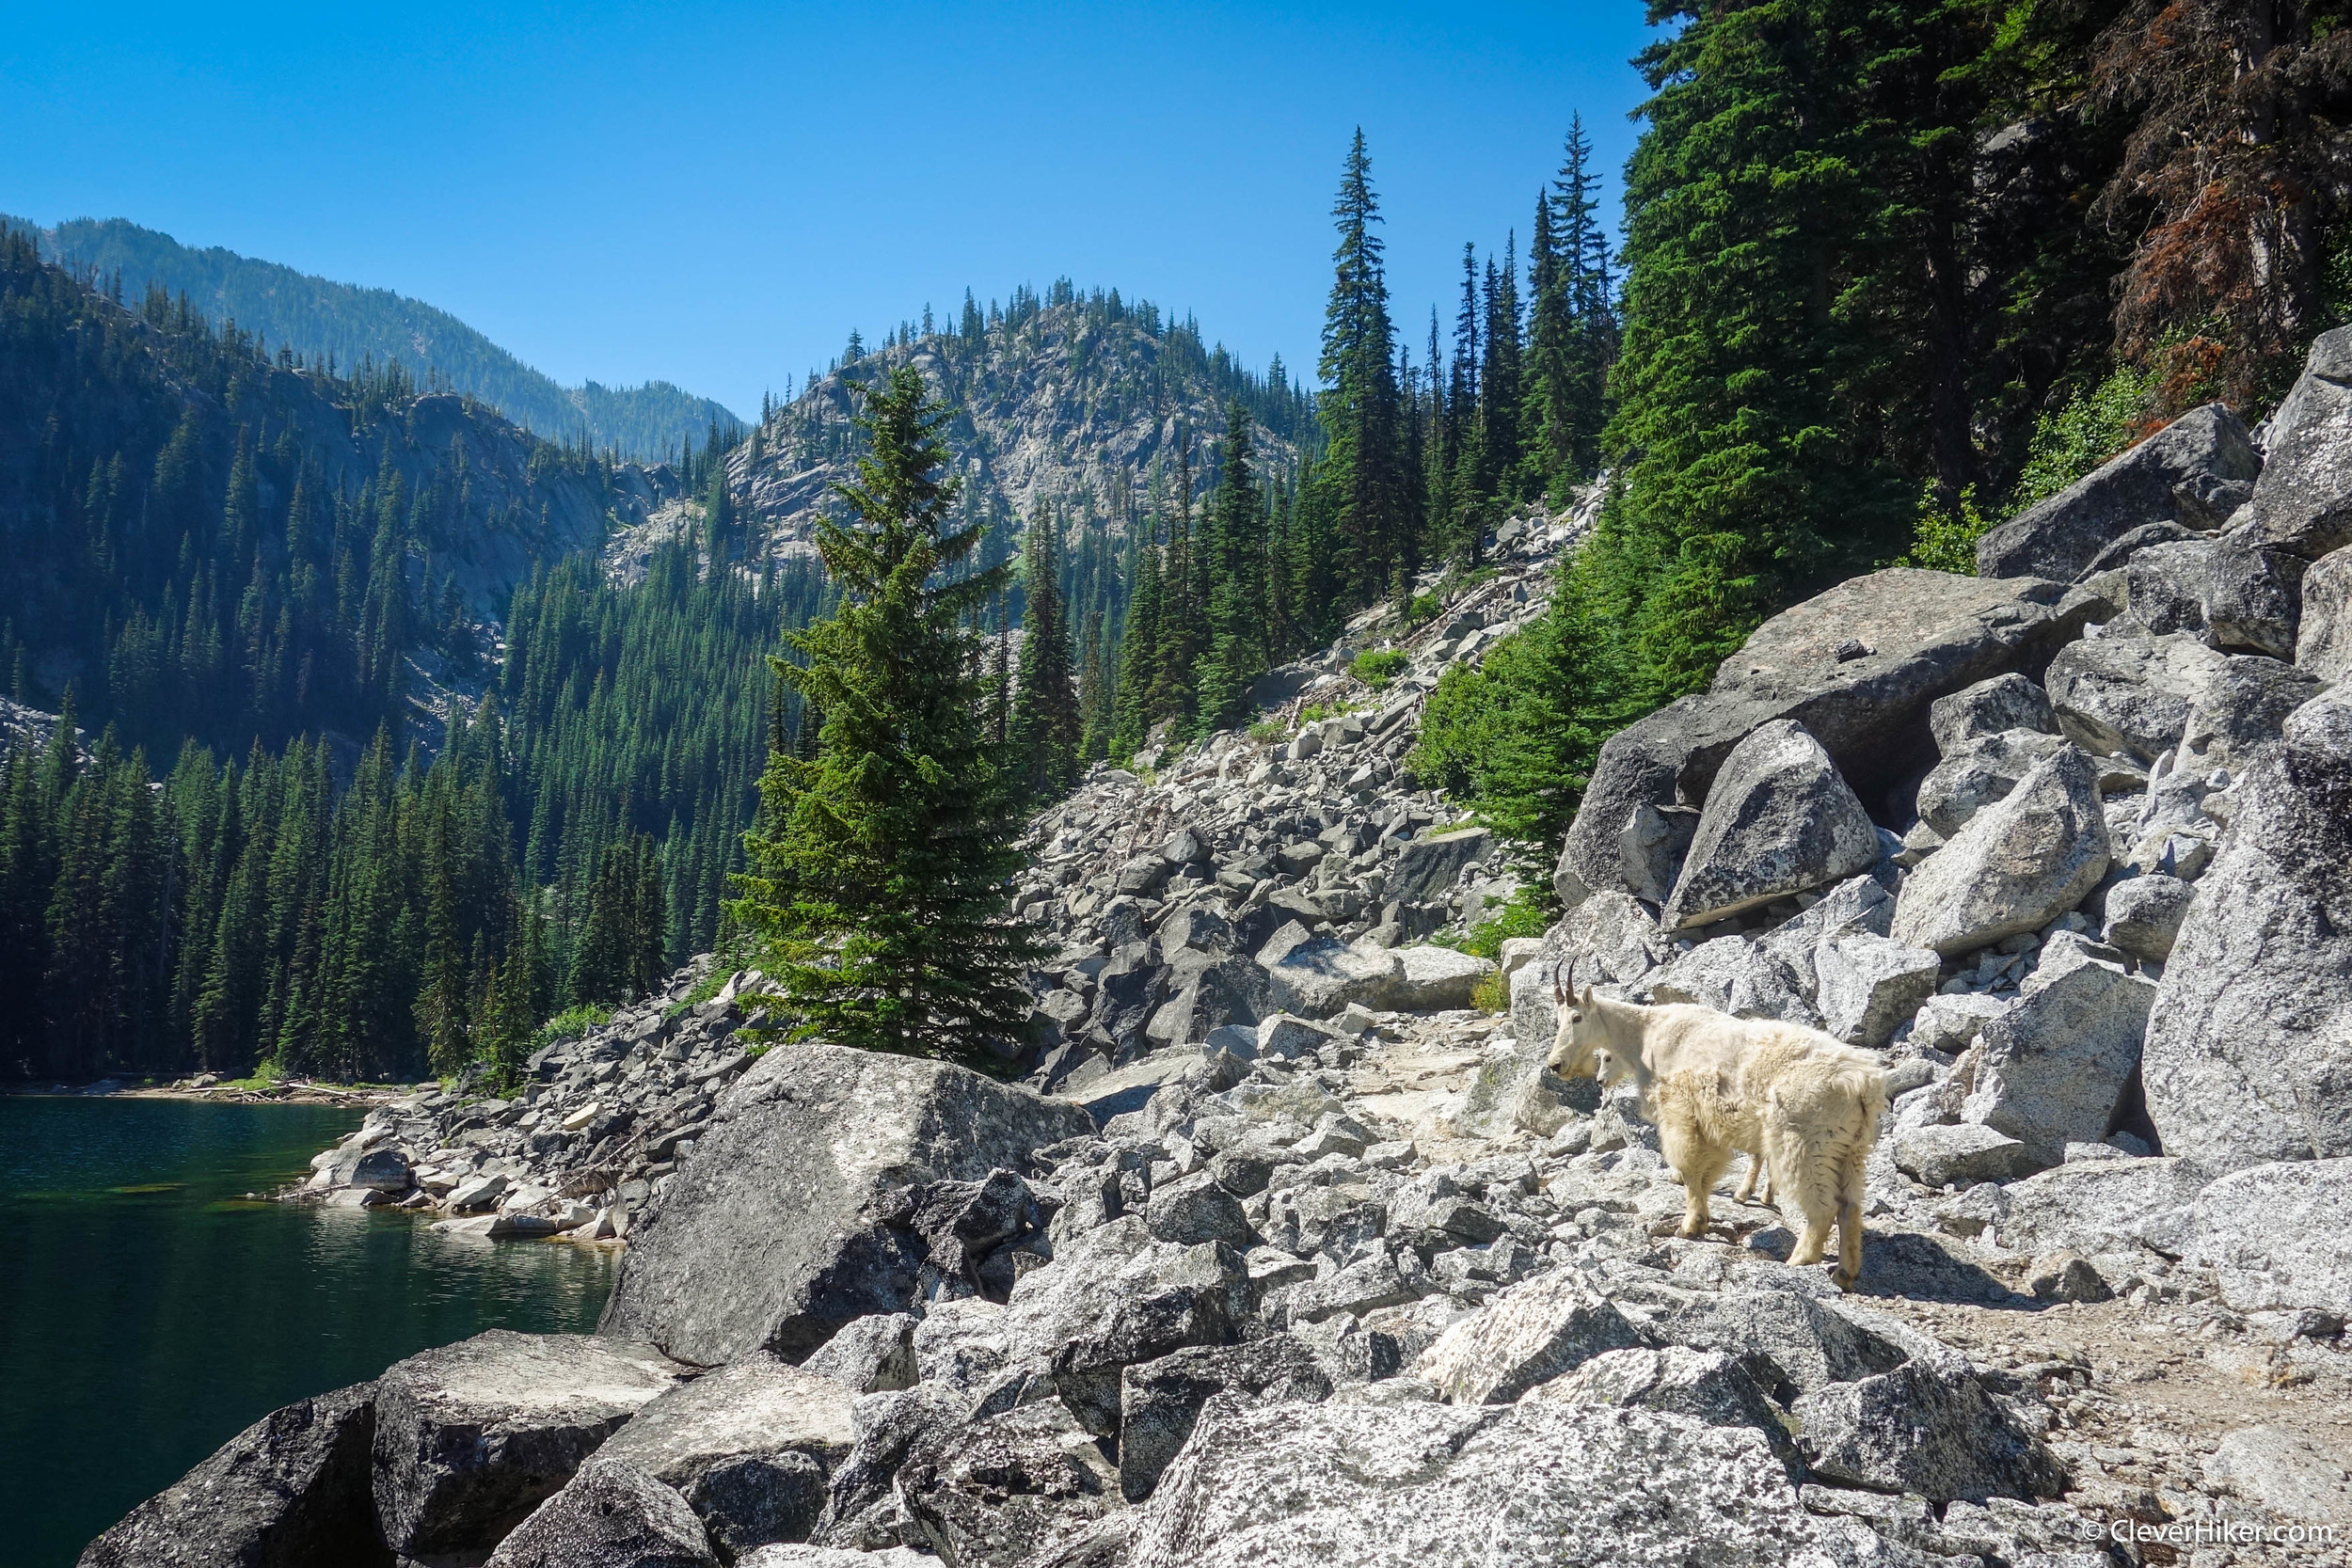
148, 1312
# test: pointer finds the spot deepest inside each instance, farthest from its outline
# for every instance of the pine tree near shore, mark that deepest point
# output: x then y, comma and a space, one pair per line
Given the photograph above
879, 890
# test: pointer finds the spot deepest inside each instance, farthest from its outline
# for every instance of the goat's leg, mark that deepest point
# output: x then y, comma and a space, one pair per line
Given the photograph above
1852, 1180
1812, 1184
1699, 1161
1747, 1182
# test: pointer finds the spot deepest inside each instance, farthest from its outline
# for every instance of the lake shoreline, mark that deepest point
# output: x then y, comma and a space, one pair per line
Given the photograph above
221, 1094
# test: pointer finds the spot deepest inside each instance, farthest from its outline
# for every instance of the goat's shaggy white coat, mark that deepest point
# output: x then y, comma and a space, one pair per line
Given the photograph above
1806, 1107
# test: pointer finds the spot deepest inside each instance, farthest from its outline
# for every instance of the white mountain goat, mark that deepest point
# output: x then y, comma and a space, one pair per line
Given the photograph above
1803, 1105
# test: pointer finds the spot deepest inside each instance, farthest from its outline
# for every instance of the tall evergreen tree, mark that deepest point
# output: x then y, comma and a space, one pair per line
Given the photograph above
883, 898
1362, 469
1045, 715
1237, 652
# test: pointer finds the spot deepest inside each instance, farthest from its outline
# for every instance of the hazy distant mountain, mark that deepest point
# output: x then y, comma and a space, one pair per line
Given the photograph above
318, 318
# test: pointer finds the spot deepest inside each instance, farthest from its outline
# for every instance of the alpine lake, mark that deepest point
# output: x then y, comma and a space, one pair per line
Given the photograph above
150, 1308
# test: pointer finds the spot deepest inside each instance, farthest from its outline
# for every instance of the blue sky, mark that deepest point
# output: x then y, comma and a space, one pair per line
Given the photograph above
715, 195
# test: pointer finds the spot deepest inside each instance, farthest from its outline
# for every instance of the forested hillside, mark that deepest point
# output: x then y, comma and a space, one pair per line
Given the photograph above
1890, 273
376, 845
345, 326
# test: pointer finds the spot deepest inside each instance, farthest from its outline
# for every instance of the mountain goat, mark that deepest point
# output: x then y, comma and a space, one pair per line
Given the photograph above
1804, 1106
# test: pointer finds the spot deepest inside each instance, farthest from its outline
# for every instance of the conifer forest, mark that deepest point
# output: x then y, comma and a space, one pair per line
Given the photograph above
354, 729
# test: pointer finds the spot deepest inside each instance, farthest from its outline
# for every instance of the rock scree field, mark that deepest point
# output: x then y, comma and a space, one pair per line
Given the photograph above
1287, 1248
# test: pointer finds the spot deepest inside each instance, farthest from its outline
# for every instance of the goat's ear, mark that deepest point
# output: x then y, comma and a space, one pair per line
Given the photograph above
1585, 1000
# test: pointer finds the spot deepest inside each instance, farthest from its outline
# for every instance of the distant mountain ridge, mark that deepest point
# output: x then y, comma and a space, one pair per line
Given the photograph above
1097, 408
319, 318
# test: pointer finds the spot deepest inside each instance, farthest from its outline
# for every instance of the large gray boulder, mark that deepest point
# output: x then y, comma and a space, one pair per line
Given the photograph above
2139, 696
1961, 1154
2131, 695
2282, 1471
1532, 1485
2278, 1236
1731, 974
870, 1354
1425, 869
1977, 772
1990, 707
2249, 1052
1160, 1401
1708, 1386
472, 1437
2252, 596
612, 1515
1430, 980
2057, 1068
287, 1492
1791, 1343
863, 1511
2018, 865
1779, 820
1316, 977
1007, 1489
1526, 1335
2323, 644
2097, 1206
750, 1445
1857, 666
1867, 987
2144, 914
793, 1217
1928, 1426
2196, 471
1862, 905
1208, 989
2303, 501
1115, 1297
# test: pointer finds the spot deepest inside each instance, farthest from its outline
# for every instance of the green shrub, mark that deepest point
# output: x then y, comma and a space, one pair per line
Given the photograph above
1377, 669
703, 991
1420, 608
571, 1023
1265, 732
1944, 539
1515, 737
1492, 994
1523, 916
2084, 432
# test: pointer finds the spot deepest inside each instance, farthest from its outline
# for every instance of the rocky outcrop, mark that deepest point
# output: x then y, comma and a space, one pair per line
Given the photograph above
612, 1515
1536, 1483
1779, 820
799, 1213
1858, 667
2018, 864
2273, 1234
2135, 696
751, 1446
471, 1438
2322, 644
1927, 1427
288, 1491
2196, 471
2056, 1068
2255, 1011
2303, 501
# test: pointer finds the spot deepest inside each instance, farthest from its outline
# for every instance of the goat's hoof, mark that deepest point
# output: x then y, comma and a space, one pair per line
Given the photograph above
1844, 1277
1691, 1229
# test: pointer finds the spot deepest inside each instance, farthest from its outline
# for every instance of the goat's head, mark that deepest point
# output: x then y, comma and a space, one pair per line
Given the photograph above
1580, 1039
